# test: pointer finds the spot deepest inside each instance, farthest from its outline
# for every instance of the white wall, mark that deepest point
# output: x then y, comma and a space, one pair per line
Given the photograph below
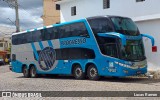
129, 8
151, 27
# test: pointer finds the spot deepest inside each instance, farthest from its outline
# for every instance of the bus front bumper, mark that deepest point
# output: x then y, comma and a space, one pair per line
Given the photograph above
123, 72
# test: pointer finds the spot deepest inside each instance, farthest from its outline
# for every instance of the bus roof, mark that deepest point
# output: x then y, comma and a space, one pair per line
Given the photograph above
94, 17
54, 25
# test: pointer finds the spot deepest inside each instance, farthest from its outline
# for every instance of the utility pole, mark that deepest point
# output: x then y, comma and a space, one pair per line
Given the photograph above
14, 4
17, 16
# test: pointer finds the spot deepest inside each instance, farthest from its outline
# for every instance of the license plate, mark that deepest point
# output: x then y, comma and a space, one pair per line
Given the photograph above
138, 72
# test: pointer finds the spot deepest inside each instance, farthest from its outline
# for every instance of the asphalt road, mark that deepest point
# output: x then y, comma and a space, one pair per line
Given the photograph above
10, 81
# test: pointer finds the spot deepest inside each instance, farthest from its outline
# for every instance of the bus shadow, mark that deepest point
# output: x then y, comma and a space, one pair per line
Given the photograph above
53, 77
139, 80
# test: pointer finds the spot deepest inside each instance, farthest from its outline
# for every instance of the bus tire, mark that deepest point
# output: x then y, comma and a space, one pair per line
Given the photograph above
78, 72
92, 72
25, 72
33, 72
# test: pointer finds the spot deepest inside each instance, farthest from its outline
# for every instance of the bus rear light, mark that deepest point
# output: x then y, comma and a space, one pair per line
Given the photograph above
154, 49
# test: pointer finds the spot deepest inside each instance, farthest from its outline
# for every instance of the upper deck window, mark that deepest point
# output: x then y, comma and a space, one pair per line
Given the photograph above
125, 26
100, 25
69, 30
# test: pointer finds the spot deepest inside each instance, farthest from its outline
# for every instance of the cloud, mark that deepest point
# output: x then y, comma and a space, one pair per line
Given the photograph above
30, 4
30, 12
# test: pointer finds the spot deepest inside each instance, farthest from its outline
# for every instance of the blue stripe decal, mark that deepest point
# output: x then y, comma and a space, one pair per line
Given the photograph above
41, 45
43, 54
35, 51
50, 43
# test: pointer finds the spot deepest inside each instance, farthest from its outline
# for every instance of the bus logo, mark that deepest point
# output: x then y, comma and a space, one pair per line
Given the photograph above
47, 58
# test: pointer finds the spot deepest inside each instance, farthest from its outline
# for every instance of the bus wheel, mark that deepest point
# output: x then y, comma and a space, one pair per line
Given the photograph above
33, 72
92, 72
78, 72
25, 72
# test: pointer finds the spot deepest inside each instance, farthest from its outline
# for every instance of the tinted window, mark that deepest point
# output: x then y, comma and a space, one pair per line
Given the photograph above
36, 36
14, 40
65, 31
100, 25
125, 26
26, 38
19, 39
108, 46
23, 38
29, 37
46, 33
72, 30
79, 29
54, 34
74, 53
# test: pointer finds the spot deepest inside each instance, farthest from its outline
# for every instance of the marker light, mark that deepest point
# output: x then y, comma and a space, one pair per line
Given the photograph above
154, 49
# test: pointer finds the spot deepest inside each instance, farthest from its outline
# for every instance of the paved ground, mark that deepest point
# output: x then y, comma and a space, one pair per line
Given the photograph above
10, 81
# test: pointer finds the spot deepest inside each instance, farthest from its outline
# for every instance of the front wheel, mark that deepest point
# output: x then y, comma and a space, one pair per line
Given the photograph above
25, 72
78, 72
92, 72
33, 72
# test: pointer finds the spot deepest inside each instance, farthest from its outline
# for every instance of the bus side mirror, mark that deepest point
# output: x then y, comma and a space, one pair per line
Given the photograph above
114, 35
154, 48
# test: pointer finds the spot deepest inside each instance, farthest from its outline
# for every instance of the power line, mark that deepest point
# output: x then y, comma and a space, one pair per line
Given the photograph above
13, 5
11, 21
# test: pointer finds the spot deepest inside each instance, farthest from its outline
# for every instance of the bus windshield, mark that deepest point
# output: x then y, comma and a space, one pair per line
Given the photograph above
125, 26
133, 51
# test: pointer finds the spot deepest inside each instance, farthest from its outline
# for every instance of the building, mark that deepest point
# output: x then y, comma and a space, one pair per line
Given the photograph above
5, 48
145, 13
5, 42
51, 13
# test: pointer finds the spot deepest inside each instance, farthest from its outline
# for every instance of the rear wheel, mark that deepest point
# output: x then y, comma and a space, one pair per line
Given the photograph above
92, 72
25, 72
33, 72
78, 72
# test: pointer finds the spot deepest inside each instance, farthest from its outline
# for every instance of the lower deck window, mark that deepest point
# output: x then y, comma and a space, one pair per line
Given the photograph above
108, 46
73, 53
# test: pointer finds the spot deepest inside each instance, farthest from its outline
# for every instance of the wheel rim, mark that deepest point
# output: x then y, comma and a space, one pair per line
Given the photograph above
78, 72
33, 72
93, 72
24, 71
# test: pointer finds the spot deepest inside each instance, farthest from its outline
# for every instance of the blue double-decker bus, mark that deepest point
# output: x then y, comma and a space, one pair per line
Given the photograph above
92, 47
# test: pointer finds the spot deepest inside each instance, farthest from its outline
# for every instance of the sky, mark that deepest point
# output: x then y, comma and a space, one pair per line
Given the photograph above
30, 12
